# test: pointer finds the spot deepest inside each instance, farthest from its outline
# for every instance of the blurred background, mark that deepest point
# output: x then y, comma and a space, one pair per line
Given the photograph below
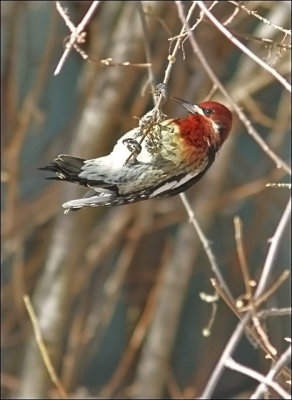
116, 291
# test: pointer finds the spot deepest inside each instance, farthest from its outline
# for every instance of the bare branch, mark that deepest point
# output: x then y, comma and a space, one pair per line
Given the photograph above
274, 245
42, 347
265, 380
243, 48
229, 348
242, 257
77, 34
279, 364
274, 312
147, 47
256, 15
205, 244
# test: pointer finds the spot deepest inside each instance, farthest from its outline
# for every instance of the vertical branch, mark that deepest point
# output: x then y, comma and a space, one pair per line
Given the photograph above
147, 48
274, 246
42, 348
241, 256
206, 246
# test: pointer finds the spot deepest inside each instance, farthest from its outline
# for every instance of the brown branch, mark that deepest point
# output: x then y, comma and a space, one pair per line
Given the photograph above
230, 363
243, 48
262, 19
42, 347
77, 34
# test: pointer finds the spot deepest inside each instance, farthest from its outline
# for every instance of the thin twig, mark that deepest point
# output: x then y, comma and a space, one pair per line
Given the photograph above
267, 346
229, 348
183, 35
207, 330
109, 62
230, 363
172, 56
235, 32
274, 245
248, 292
42, 347
267, 42
275, 286
241, 256
229, 302
275, 312
76, 32
205, 244
256, 15
147, 47
255, 336
231, 17
65, 16
243, 48
278, 365
279, 185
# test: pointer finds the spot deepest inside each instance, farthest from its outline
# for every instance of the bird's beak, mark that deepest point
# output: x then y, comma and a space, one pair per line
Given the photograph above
191, 108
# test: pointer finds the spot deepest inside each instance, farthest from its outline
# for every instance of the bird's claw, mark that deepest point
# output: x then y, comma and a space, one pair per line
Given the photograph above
133, 146
161, 89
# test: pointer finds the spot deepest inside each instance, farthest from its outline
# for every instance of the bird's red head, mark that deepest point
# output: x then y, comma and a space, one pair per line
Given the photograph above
220, 116
211, 111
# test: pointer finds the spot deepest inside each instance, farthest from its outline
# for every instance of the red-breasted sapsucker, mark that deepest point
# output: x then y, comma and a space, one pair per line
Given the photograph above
174, 155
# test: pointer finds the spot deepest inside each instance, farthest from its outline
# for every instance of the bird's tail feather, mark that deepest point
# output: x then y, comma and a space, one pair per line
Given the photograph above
101, 199
66, 168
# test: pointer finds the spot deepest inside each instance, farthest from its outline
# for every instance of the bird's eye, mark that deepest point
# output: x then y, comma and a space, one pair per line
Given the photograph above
207, 111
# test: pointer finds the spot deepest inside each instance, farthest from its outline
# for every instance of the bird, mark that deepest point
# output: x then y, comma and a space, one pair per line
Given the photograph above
175, 154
